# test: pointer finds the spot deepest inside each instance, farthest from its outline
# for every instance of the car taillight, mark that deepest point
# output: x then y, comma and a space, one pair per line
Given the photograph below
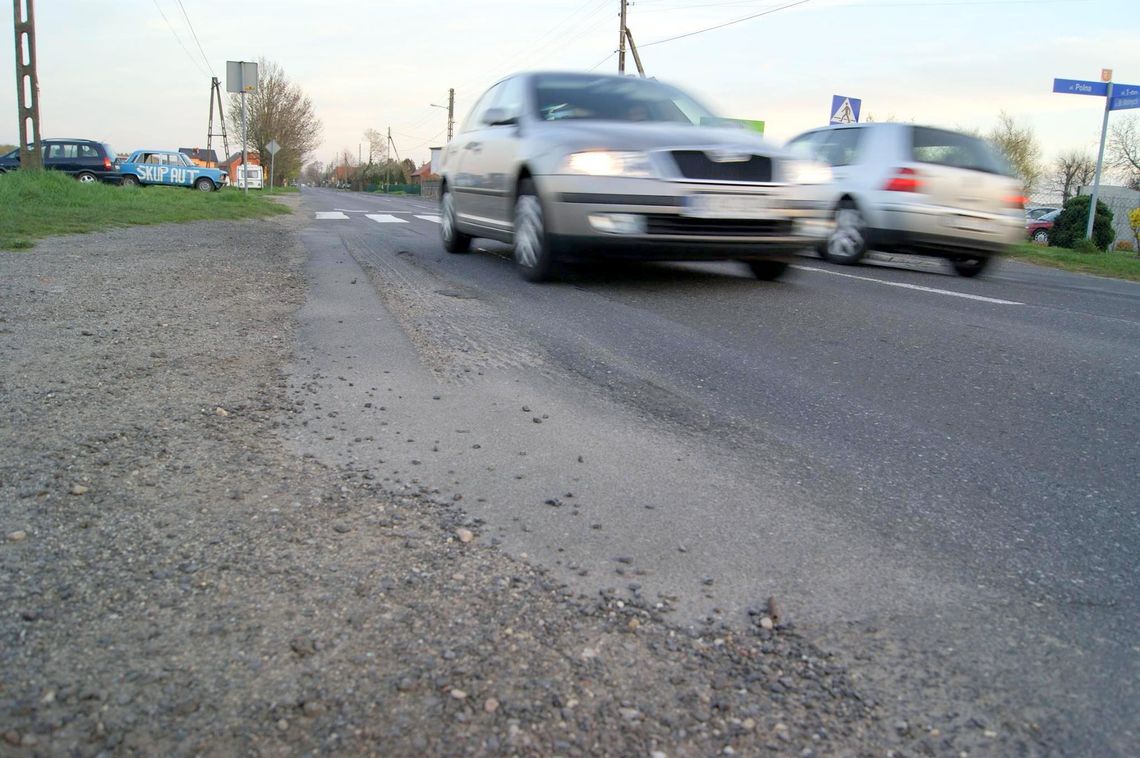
107, 164
904, 180
1016, 201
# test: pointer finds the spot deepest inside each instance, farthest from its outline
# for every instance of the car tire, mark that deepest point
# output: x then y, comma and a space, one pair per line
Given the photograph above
86, 177
1041, 237
130, 180
204, 185
848, 241
534, 257
454, 241
970, 266
768, 271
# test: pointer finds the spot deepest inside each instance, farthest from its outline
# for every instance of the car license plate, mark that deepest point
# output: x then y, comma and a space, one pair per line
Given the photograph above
728, 206
971, 224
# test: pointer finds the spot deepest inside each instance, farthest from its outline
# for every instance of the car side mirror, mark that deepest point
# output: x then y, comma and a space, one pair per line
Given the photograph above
499, 117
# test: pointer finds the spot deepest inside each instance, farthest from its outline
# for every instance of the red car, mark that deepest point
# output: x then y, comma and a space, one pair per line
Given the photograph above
1037, 229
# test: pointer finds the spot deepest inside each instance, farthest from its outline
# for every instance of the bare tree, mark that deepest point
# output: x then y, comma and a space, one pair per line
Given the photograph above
377, 141
1124, 150
279, 111
1071, 171
1020, 149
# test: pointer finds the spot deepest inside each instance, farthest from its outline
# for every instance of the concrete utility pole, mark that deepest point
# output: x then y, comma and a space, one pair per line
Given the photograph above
450, 112
27, 84
621, 38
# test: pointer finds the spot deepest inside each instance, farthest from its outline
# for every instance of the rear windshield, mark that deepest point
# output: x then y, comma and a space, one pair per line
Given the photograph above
946, 148
107, 151
609, 98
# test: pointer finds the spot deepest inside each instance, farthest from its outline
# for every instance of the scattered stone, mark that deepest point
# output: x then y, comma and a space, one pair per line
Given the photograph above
282, 725
766, 623
490, 705
464, 535
220, 411
17, 536
312, 708
79, 489
459, 694
12, 737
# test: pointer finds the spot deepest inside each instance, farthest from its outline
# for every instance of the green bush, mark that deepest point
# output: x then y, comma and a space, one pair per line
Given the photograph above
1071, 223
1085, 245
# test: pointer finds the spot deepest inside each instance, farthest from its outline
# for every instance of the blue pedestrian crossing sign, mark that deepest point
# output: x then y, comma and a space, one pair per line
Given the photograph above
845, 110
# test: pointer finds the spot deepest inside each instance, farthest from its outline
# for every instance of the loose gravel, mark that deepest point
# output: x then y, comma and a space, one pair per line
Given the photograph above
175, 582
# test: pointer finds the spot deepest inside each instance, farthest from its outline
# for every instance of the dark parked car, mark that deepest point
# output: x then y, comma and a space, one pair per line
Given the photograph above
86, 160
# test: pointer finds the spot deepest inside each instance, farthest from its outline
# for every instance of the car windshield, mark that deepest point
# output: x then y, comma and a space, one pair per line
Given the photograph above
581, 96
946, 148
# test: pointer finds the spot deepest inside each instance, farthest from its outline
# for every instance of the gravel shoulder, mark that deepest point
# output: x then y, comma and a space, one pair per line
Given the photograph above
177, 582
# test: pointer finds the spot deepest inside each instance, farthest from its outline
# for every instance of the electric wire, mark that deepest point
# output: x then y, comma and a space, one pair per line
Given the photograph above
196, 41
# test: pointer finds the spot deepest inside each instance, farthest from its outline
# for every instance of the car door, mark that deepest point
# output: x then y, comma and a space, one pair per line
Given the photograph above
62, 156
470, 182
498, 157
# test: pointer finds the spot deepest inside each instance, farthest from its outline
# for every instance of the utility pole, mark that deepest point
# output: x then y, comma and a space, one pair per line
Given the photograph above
621, 38
216, 91
387, 160
450, 112
27, 84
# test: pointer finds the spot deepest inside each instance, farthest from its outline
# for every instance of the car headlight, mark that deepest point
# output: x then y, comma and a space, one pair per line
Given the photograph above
608, 163
807, 172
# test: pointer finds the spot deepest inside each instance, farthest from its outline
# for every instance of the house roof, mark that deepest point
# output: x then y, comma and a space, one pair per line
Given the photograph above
423, 170
200, 153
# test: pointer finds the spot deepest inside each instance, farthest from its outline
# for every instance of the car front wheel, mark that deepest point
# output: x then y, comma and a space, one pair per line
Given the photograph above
86, 177
848, 241
454, 241
1041, 237
533, 257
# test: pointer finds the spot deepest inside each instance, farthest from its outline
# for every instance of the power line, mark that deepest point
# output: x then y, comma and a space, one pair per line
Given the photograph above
603, 60
203, 52
177, 37
726, 23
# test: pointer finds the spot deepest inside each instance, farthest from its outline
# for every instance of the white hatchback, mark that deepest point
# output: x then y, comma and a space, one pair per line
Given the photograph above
916, 189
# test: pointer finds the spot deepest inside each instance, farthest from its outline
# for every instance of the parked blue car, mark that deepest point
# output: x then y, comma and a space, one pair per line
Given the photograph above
169, 167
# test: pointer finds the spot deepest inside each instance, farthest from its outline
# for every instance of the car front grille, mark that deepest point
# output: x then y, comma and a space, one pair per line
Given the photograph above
695, 164
675, 226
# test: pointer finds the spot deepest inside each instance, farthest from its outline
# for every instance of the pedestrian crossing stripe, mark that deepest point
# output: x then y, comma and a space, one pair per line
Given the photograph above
384, 218
330, 215
435, 219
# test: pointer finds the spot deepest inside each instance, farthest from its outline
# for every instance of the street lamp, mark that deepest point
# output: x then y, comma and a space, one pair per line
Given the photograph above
450, 108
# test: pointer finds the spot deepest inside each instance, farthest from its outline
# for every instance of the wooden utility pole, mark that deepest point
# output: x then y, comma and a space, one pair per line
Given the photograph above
27, 84
621, 38
450, 112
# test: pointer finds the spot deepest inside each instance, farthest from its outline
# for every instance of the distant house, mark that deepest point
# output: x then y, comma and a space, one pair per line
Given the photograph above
422, 174
231, 164
201, 157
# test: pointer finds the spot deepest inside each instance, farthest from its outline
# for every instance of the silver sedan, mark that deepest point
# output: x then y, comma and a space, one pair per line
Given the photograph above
571, 166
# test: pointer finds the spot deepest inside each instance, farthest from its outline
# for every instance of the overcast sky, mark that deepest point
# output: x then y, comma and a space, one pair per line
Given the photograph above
131, 72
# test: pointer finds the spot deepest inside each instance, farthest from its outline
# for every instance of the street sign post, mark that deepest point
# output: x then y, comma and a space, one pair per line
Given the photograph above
1116, 97
845, 110
241, 77
272, 147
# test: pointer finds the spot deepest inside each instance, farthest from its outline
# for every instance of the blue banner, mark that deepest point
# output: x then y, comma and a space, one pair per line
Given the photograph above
1124, 96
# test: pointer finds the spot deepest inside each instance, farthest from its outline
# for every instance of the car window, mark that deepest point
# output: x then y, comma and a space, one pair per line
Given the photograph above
946, 148
152, 158
62, 150
511, 97
560, 97
474, 119
806, 145
184, 160
86, 151
840, 147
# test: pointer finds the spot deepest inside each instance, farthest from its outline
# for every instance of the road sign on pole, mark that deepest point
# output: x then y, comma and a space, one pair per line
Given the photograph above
241, 77
1116, 97
272, 147
845, 110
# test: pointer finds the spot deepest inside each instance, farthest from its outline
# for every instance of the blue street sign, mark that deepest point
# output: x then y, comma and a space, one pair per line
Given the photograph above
1079, 87
845, 110
1124, 96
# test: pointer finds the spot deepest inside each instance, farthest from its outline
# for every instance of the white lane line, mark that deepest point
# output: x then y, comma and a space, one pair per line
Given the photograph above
384, 218
330, 214
920, 288
435, 219
347, 210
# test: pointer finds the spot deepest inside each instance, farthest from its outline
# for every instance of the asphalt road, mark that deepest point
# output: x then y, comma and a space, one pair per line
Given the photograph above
936, 477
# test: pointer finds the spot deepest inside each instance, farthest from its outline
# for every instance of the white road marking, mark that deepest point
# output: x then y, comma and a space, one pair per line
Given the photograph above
330, 214
435, 219
346, 210
920, 288
384, 218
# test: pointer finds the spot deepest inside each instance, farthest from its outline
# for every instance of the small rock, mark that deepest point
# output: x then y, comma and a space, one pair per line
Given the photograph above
29, 740
17, 536
633, 625
989, 733
459, 694
749, 723
464, 535
490, 705
766, 623
79, 489
342, 528
536, 420
220, 411
282, 725
312, 708
12, 737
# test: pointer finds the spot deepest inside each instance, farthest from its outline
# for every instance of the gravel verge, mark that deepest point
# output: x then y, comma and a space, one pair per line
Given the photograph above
176, 583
